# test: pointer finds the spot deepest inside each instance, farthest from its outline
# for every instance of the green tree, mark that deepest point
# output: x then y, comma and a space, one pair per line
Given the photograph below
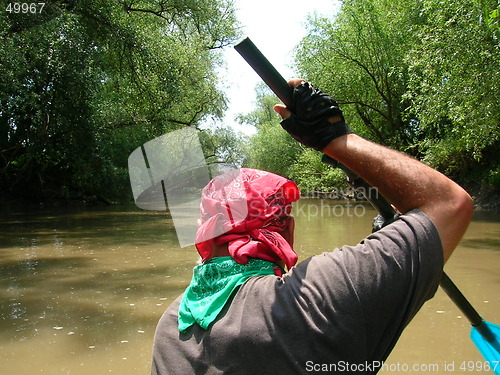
313, 176
223, 145
455, 83
46, 94
420, 76
271, 148
358, 57
84, 83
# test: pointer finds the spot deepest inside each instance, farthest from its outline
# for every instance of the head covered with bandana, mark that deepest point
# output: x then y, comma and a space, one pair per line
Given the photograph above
247, 208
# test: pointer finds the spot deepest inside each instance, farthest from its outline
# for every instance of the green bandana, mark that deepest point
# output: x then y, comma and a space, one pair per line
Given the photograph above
212, 285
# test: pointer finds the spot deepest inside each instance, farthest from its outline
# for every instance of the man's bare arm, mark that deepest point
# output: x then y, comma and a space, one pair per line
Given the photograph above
408, 184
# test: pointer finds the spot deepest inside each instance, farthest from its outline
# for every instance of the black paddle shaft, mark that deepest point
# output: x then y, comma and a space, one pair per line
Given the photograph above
247, 49
456, 296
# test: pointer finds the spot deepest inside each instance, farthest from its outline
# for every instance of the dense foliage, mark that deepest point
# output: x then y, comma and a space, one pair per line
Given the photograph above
422, 76
83, 83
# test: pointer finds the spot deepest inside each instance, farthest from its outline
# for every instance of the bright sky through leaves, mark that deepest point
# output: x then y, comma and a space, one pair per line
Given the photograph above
275, 27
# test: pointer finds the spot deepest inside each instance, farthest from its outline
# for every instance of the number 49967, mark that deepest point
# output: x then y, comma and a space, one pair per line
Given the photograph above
25, 7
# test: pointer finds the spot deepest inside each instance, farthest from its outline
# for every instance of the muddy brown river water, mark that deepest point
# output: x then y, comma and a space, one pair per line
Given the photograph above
81, 290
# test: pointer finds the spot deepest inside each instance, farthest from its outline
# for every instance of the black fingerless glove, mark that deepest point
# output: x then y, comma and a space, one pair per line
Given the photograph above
309, 122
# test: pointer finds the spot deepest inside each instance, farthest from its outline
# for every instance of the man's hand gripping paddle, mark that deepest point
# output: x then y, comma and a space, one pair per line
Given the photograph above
485, 335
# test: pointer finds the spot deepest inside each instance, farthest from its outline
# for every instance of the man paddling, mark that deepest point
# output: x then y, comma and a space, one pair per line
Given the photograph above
341, 311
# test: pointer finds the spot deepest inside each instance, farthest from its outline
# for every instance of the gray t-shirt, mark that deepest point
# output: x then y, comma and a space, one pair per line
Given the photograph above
337, 312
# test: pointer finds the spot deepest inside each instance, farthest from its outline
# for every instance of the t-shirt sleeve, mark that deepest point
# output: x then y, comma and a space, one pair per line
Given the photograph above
385, 279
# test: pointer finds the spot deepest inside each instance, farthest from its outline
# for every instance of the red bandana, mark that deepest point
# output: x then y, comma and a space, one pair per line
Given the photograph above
245, 208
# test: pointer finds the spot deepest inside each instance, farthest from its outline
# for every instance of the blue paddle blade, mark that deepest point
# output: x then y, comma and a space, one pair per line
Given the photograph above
486, 337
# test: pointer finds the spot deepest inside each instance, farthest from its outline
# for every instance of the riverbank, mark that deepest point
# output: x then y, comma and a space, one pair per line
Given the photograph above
485, 196
482, 202
485, 199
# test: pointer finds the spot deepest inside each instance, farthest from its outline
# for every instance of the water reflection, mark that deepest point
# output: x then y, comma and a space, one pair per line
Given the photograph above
79, 283
81, 291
